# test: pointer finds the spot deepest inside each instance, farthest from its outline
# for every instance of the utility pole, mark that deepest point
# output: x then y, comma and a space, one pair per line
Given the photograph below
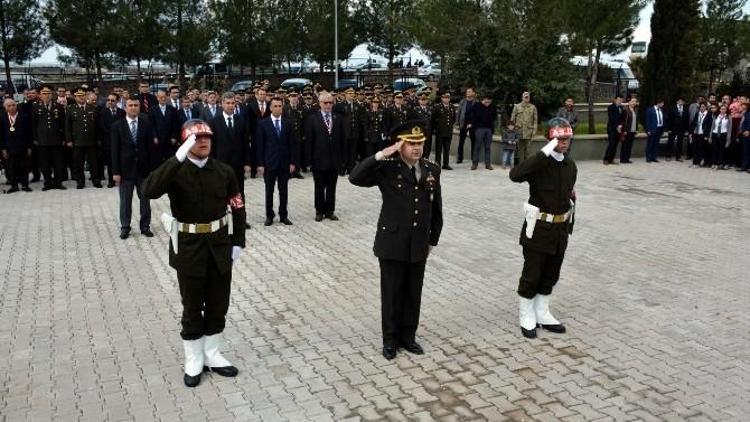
335, 43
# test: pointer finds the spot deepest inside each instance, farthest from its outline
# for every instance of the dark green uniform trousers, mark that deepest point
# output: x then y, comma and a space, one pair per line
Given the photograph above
540, 273
205, 301
400, 297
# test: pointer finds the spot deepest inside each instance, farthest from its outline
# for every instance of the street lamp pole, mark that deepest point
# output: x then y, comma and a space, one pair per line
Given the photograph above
335, 43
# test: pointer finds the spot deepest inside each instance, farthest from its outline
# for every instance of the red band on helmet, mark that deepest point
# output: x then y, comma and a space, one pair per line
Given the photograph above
197, 130
560, 132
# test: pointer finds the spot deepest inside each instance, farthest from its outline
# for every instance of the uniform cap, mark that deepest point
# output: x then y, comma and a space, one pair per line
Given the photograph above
411, 131
80, 91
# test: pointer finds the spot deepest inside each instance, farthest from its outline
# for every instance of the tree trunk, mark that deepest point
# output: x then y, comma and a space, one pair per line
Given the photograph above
98, 64
178, 44
593, 73
6, 55
138, 67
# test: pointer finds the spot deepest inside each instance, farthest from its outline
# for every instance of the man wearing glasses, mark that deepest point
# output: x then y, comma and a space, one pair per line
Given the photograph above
324, 150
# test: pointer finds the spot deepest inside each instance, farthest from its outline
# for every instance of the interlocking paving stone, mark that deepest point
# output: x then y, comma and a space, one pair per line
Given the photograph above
654, 293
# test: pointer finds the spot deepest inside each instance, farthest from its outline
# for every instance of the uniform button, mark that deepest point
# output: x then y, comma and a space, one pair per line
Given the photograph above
416, 187
383, 227
416, 199
399, 185
415, 224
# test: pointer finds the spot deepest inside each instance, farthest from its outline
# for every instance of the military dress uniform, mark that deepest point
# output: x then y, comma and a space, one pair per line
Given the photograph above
444, 117
351, 121
374, 131
544, 235
81, 129
410, 222
395, 117
297, 116
207, 222
48, 131
424, 113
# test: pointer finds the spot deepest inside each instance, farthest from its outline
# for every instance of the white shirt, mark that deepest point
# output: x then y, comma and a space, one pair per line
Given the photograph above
276, 119
227, 117
699, 126
131, 120
197, 162
659, 119
558, 156
721, 124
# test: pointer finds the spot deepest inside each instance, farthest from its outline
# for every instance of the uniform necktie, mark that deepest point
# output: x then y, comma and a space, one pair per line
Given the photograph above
229, 123
414, 172
133, 132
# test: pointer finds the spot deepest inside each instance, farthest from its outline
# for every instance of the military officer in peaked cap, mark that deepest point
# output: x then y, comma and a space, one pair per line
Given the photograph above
411, 219
81, 134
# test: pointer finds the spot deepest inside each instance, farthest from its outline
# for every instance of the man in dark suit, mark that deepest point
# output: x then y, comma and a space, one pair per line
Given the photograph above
654, 130
278, 154
409, 225
210, 109
165, 121
132, 161
256, 111
324, 150
700, 127
146, 99
231, 140
614, 114
186, 112
15, 145
108, 116
678, 124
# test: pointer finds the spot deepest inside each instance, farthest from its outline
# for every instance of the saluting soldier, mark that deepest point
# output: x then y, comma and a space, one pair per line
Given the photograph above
410, 222
48, 132
207, 234
549, 219
81, 135
423, 111
444, 117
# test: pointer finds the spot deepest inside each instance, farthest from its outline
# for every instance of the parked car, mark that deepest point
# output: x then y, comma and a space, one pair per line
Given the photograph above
296, 83
241, 86
429, 71
20, 81
406, 83
346, 83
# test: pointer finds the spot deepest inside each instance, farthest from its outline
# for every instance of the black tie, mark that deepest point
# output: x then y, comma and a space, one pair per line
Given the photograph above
414, 172
231, 126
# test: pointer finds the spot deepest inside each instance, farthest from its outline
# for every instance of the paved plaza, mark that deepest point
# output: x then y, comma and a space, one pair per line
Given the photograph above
654, 292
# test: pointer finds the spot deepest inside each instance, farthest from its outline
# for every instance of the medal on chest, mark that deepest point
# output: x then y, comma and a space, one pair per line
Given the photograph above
12, 121
431, 182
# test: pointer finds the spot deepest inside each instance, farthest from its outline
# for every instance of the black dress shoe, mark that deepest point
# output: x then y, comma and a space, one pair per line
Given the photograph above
224, 371
12, 190
192, 381
124, 233
98, 185
298, 176
247, 225
79, 186
332, 217
318, 217
111, 184
554, 328
413, 348
447, 167
389, 352
26, 189
60, 187
147, 233
46, 188
528, 333
268, 222
459, 161
286, 222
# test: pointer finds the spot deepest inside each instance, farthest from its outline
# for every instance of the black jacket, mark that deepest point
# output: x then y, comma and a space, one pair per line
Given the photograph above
551, 188
231, 147
129, 160
324, 151
200, 195
613, 117
19, 139
48, 125
106, 120
411, 217
276, 152
166, 125
679, 124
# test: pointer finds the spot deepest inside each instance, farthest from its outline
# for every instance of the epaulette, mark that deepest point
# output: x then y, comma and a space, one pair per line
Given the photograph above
427, 160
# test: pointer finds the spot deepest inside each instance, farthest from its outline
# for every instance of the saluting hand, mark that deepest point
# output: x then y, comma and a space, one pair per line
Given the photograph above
388, 151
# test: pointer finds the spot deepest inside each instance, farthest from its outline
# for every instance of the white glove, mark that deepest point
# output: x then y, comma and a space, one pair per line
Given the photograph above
551, 145
182, 152
236, 250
